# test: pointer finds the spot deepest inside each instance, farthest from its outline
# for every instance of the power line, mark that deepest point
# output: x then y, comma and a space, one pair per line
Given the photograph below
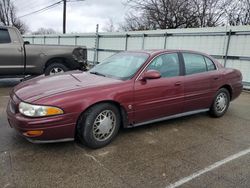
52, 6
73, 1
31, 5
27, 7
43, 9
22, 5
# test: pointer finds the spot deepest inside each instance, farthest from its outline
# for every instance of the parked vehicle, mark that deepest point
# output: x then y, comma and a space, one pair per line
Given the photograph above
21, 58
128, 89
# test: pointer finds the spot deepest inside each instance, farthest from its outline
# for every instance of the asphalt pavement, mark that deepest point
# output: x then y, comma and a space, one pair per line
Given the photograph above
194, 151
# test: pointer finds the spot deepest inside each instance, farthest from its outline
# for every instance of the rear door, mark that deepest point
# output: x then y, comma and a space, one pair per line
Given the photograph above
200, 77
11, 55
157, 98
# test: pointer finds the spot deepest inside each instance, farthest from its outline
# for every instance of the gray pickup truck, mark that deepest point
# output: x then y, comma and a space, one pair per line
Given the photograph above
21, 58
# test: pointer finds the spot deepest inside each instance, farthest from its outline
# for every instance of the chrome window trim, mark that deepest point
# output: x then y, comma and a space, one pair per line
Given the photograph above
137, 78
203, 55
215, 65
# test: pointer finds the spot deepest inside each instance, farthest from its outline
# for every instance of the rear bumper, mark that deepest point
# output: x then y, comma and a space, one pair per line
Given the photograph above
237, 89
55, 129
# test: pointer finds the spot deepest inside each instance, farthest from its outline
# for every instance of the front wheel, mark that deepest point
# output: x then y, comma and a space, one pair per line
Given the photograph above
220, 103
99, 125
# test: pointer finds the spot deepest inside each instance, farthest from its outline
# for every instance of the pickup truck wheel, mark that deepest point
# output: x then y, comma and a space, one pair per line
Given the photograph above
55, 68
99, 125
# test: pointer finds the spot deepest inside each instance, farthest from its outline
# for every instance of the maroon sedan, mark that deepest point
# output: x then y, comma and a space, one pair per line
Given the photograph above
127, 89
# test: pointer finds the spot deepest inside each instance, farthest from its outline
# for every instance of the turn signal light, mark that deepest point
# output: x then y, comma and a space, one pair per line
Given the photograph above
33, 133
53, 111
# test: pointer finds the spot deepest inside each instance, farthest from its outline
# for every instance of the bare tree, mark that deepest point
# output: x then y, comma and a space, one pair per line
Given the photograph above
211, 13
239, 13
8, 16
159, 14
164, 14
109, 26
44, 31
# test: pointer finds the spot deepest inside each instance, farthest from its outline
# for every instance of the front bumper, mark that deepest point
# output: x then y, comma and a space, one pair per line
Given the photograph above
55, 128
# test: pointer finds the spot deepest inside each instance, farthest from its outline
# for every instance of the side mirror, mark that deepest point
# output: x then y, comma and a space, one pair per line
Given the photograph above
151, 74
26, 42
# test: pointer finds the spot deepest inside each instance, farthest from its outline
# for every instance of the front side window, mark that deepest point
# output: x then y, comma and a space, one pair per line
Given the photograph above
4, 36
166, 64
194, 63
122, 66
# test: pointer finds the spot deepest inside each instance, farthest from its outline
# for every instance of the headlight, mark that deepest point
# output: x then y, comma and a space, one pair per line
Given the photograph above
38, 110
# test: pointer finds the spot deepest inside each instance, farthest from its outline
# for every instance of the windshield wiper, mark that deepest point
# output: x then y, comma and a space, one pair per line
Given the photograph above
97, 73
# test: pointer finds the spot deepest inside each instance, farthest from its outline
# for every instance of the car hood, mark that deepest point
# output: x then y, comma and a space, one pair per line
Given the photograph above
42, 86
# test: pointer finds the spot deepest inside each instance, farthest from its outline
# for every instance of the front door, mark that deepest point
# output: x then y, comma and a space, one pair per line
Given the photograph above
158, 98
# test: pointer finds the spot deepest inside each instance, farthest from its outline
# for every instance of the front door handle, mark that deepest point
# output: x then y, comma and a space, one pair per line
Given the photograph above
177, 84
20, 49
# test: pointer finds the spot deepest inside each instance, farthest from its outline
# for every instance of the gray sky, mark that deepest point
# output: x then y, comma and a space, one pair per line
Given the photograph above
81, 16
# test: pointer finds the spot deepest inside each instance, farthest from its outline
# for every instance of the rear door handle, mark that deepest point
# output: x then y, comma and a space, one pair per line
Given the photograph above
216, 78
177, 84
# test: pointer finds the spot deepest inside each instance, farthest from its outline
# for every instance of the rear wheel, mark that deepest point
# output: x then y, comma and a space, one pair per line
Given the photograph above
99, 125
55, 68
220, 103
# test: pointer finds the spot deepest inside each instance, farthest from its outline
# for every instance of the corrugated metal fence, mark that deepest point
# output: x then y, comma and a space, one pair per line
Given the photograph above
230, 45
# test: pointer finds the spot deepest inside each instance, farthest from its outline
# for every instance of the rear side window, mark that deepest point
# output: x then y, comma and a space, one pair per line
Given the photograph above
4, 36
194, 63
210, 64
166, 64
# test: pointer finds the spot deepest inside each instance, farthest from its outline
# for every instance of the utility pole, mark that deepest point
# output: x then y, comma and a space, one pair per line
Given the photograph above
64, 16
64, 12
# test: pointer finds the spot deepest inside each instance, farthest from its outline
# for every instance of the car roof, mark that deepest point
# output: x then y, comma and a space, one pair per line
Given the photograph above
159, 51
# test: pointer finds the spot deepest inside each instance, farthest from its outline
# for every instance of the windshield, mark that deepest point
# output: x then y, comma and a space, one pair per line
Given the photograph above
121, 66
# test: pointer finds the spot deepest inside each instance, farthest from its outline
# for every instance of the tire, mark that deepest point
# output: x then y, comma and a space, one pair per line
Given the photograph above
94, 134
55, 68
220, 103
